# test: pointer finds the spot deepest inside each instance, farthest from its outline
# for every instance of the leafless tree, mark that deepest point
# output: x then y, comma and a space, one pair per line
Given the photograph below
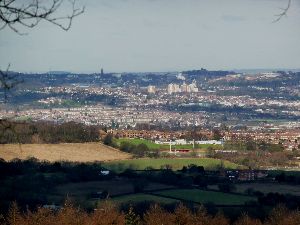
7, 82
29, 13
19, 14
284, 12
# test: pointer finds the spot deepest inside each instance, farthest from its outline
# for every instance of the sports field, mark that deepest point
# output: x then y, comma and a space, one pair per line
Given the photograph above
153, 146
176, 164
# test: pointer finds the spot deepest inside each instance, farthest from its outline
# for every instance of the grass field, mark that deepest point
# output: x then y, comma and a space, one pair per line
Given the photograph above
114, 187
176, 164
295, 173
201, 196
77, 152
81, 192
134, 198
152, 146
266, 188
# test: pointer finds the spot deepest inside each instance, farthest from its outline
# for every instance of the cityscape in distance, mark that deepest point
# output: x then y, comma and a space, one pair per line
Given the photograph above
180, 138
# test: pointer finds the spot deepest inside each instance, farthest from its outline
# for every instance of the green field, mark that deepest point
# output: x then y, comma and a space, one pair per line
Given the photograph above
201, 196
295, 173
134, 198
265, 188
152, 146
81, 192
176, 164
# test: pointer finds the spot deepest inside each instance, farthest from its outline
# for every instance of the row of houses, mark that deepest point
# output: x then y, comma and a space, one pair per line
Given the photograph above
244, 175
270, 137
154, 134
148, 134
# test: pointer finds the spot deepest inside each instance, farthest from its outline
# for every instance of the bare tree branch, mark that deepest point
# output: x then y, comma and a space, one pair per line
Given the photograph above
283, 12
7, 82
14, 13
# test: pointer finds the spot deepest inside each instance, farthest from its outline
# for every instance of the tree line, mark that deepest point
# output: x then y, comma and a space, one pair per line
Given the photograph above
46, 132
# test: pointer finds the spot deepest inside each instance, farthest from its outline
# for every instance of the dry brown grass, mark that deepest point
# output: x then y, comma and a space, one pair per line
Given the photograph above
77, 152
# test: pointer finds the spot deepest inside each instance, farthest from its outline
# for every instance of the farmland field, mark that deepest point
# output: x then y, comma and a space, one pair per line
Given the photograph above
266, 188
153, 146
134, 198
201, 196
176, 164
77, 152
114, 187
81, 192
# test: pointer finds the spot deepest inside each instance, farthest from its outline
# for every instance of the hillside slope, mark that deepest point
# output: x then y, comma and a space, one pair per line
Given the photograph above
78, 152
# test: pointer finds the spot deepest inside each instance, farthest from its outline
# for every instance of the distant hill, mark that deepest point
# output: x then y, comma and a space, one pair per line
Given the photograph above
58, 72
207, 73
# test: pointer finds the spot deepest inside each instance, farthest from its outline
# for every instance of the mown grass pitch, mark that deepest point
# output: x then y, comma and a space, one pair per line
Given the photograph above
176, 164
201, 196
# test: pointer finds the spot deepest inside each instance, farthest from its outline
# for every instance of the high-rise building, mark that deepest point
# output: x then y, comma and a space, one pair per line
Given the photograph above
193, 87
102, 71
171, 88
184, 87
151, 89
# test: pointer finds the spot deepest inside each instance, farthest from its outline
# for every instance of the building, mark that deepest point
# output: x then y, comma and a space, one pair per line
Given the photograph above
184, 88
193, 87
173, 88
245, 175
151, 89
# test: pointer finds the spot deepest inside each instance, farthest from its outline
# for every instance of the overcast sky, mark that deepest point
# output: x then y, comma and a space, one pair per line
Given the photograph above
161, 35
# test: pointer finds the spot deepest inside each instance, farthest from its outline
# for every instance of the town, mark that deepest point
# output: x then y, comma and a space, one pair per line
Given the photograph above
262, 107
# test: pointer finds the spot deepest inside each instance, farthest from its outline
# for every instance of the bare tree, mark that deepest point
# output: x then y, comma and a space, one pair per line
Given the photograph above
7, 82
29, 13
17, 14
284, 12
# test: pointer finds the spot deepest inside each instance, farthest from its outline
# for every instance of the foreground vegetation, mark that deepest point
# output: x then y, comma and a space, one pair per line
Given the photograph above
32, 183
107, 214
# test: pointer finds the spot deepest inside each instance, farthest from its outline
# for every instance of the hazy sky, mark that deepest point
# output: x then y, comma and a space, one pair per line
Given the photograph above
161, 35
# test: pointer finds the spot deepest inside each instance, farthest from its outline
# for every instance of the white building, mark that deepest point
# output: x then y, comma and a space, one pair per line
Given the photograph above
185, 88
151, 89
173, 88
